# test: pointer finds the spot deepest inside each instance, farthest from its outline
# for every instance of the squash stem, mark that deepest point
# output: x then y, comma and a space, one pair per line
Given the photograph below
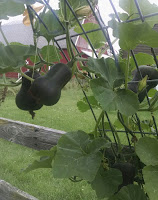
126, 72
24, 75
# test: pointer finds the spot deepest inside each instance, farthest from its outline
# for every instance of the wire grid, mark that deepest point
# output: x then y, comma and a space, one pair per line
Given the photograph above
105, 32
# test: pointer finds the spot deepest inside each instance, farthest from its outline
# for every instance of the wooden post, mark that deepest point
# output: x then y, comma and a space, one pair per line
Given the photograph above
8, 192
33, 136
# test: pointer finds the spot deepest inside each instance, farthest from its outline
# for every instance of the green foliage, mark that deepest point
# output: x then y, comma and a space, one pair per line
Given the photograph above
147, 150
105, 68
98, 41
106, 88
123, 100
83, 105
52, 26
38, 183
130, 35
75, 6
46, 157
142, 59
150, 174
10, 8
130, 192
12, 57
101, 182
145, 6
78, 155
50, 53
142, 84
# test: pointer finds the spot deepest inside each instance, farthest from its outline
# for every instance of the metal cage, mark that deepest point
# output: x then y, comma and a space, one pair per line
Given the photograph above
110, 132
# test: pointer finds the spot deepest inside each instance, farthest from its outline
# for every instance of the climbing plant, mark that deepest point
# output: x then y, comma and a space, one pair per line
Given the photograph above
119, 84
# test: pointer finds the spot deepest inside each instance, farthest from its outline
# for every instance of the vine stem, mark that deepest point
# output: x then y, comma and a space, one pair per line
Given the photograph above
24, 75
126, 128
97, 122
81, 59
68, 40
126, 72
4, 37
9, 85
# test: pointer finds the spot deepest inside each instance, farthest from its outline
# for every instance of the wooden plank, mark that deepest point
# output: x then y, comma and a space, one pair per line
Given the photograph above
30, 135
8, 192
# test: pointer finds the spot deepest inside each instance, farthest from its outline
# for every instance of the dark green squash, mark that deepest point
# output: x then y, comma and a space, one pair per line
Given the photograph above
152, 74
128, 173
24, 100
47, 89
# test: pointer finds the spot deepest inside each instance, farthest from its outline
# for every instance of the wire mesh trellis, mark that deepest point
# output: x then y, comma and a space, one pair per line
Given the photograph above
105, 30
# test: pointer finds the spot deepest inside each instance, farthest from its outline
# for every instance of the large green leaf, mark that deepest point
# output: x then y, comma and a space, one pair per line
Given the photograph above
106, 182
130, 35
150, 175
98, 41
128, 6
12, 57
51, 53
54, 28
78, 155
10, 8
142, 59
105, 68
147, 150
130, 192
145, 6
110, 100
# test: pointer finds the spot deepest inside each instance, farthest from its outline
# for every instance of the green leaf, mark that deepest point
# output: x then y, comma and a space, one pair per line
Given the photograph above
110, 100
106, 182
75, 5
152, 92
142, 84
12, 57
130, 192
142, 59
128, 121
83, 105
98, 41
150, 175
105, 68
78, 155
51, 53
147, 150
130, 35
10, 8
128, 6
22, 51
54, 28
46, 157
146, 8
